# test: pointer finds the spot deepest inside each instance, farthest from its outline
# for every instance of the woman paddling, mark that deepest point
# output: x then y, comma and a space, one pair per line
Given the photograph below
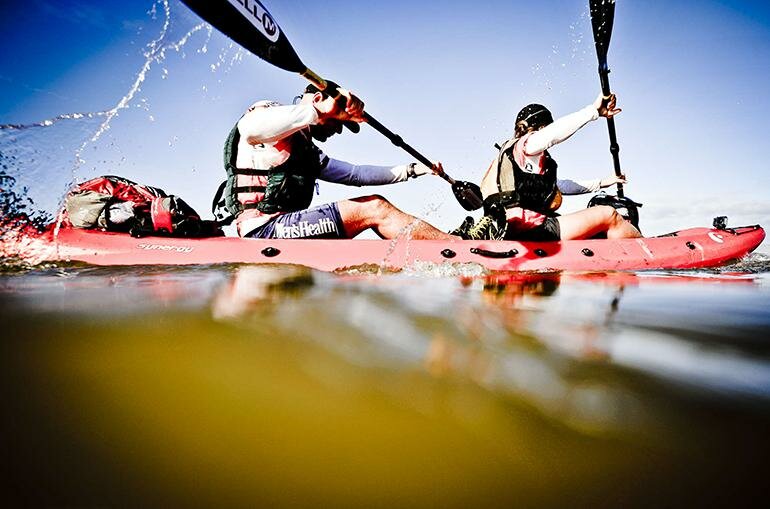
521, 190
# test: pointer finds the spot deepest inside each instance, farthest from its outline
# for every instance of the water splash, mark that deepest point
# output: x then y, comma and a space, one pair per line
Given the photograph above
52, 121
16, 207
41, 160
754, 263
560, 67
404, 236
155, 53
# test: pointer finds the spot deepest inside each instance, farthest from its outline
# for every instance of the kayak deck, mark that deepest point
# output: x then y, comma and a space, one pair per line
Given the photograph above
691, 248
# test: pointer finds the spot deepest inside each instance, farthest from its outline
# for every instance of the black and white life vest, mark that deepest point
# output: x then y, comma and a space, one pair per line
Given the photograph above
518, 188
287, 187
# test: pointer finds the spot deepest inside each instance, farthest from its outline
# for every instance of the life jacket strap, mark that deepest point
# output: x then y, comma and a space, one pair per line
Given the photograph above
249, 189
507, 199
506, 166
250, 172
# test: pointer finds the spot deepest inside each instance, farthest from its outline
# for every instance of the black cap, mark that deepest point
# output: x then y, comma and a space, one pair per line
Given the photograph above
535, 115
331, 86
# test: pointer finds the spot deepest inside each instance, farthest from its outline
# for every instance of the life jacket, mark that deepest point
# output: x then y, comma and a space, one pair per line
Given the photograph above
518, 188
287, 187
117, 204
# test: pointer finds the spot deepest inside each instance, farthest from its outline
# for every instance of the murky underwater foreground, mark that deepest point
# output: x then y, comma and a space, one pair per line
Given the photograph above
276, 386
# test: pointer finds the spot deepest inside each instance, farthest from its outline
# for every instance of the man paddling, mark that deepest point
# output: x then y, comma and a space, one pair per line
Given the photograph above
273, 166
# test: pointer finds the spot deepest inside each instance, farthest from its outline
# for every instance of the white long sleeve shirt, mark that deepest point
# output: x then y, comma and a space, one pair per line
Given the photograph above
267, 123
537, 142
529, 151
264, 133
529, 154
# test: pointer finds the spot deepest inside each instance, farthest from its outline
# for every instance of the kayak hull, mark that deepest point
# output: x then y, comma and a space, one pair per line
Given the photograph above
691, 248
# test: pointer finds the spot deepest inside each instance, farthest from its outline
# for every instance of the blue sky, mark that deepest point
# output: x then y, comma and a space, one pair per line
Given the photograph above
691, 77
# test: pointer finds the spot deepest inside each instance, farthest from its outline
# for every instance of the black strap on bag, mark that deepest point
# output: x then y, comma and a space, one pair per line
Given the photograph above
219, 208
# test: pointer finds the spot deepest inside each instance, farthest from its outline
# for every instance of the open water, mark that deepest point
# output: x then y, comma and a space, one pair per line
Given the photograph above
278, 386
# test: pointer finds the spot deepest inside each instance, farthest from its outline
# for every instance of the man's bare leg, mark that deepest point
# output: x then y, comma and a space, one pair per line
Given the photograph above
586, 223
377, 213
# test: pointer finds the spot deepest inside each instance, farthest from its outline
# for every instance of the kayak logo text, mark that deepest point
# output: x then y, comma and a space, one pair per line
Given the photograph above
256, 13
305, 229
166, 247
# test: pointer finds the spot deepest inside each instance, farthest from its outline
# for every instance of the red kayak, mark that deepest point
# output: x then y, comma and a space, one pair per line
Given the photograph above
691, 248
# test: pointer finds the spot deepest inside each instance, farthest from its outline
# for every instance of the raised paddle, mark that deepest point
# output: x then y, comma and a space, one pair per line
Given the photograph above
602, 18
248, 23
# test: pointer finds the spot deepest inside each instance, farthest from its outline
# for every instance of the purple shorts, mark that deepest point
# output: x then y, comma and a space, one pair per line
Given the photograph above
321, 222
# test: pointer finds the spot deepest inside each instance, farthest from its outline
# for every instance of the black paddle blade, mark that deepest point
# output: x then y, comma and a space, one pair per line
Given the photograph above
468, 194
248, 23
602, 19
